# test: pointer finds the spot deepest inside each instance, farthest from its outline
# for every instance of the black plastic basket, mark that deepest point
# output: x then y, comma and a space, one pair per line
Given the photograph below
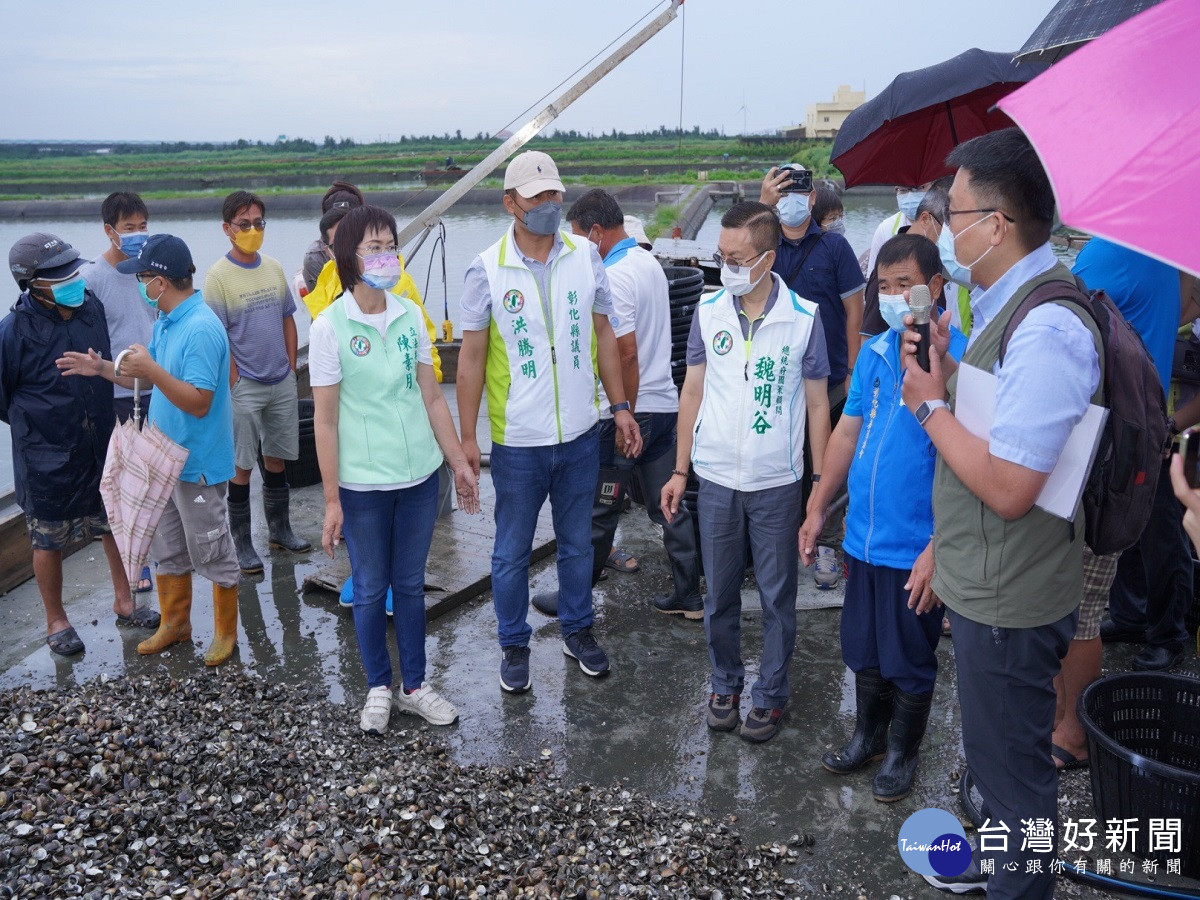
1143, 731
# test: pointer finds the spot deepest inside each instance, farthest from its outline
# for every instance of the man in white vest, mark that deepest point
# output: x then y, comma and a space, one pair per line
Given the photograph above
757, 373
533, 306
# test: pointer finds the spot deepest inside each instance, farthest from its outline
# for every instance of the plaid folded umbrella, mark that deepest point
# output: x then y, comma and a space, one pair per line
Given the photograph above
141, 470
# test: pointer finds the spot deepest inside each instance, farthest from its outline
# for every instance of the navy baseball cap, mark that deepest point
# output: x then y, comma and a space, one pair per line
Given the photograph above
163, 254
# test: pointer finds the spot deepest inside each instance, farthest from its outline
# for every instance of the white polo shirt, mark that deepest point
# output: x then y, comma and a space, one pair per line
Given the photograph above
642, 306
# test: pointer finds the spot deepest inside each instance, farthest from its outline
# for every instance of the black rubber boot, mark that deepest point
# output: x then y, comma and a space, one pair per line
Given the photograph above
279, 525
910, 715
239, 525
873, 695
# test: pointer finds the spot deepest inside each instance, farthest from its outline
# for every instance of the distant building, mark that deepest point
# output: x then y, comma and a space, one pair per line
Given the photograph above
824, 119
793, 133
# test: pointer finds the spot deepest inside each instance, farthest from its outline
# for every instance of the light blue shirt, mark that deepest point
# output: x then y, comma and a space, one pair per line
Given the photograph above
475, 305
1050, 370
190, 343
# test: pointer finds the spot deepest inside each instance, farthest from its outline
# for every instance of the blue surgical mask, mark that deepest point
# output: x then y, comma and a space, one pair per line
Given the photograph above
69, 293
793, 209
544, 218
837, 226
893, 308
909, 202
132, 243
954, 270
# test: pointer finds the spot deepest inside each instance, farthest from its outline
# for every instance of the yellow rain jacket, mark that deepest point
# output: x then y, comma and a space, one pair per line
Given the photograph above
329, 286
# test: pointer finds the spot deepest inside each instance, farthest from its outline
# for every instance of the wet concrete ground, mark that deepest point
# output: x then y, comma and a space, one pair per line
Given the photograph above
642, 725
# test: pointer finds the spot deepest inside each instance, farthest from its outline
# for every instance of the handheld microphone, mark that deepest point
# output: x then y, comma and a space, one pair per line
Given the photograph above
919, 304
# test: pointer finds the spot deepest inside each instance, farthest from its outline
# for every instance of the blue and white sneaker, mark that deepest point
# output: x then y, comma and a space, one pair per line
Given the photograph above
581, 646
514, 670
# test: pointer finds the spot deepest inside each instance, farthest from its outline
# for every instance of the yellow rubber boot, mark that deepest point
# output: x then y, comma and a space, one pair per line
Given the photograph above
225, 616
175, 606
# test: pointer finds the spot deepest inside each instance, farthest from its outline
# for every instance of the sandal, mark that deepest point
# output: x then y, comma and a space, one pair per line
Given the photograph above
141, 617
145, 584
1068, 759
621, 561
65, 642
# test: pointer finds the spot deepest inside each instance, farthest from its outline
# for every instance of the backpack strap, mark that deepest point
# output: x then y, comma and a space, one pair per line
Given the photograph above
1050, 292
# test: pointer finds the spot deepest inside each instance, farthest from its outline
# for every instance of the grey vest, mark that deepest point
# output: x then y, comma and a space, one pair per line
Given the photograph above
1018, 574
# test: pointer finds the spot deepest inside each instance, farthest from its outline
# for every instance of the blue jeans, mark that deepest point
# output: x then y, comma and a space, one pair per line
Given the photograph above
769, 520
388, 534
523, 478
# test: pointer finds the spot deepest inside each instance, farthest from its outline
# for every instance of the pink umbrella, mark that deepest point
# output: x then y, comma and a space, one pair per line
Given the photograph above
1116, 125
141, 470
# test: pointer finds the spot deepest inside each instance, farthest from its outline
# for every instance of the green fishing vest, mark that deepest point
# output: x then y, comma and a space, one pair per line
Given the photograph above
384, 435
1018, 574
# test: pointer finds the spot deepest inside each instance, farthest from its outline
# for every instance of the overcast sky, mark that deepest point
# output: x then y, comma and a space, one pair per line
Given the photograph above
374, 69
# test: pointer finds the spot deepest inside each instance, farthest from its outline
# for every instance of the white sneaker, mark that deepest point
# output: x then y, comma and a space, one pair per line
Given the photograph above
825, 573
376, 711
426, 703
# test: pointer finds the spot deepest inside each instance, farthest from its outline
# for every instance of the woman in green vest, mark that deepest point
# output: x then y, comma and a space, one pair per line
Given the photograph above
382, 428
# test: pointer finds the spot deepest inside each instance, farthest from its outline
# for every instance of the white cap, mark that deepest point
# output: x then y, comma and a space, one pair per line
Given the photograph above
633, 228
532, 172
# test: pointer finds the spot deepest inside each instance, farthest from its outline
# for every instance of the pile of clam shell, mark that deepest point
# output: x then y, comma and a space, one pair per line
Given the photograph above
227, 786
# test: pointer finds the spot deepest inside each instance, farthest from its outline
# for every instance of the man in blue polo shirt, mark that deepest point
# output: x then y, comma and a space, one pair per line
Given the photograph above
188, 364
889, 631
819, 266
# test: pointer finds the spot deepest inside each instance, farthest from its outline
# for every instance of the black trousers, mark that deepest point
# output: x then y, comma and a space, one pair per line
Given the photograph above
1006, 693
1153, 587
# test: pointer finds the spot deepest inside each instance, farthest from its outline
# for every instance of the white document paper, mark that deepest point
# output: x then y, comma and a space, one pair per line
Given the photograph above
975, 408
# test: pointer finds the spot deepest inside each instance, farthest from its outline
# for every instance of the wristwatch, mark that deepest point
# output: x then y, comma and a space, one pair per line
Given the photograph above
925, 410
619, 407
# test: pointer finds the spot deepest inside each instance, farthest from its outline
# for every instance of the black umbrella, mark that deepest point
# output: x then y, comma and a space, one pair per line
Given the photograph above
903, 135
1072, 23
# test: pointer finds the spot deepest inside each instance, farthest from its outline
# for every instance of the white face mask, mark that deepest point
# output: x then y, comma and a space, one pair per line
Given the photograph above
954, 242
893, 308
736, 279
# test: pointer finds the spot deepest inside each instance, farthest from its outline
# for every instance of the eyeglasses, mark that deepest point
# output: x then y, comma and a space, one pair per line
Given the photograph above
722, 260
951, 213
376, 249
246, 225
140, 276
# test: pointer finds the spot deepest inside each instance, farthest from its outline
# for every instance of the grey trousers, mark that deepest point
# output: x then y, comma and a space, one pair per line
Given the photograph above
770, 520
193, 535
1006, 692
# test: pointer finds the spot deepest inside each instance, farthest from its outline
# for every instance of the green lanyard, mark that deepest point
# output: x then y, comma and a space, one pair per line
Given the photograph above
750, 336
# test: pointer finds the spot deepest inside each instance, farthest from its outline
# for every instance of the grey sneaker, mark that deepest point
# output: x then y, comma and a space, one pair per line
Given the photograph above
723, 711
581, 646
761, 724
377, 710
825, 573
426, 703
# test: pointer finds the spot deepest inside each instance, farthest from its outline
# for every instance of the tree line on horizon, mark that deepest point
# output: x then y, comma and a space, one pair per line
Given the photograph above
284, 144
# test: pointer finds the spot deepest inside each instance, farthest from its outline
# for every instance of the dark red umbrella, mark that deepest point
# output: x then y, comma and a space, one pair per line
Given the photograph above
903, 135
